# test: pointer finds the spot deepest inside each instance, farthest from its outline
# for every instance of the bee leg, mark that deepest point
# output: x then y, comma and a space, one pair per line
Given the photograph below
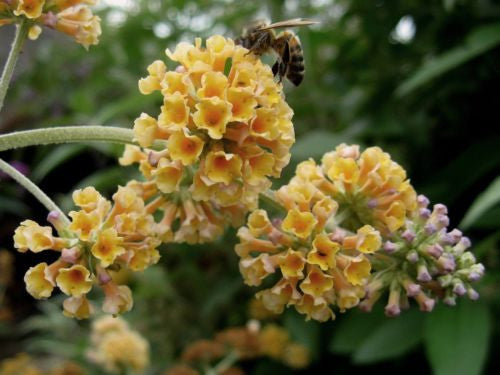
276, 67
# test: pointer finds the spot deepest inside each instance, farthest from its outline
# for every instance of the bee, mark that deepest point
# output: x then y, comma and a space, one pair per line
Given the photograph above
261, 38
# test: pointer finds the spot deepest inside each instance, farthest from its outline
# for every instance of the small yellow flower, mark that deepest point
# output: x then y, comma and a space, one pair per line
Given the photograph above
168, 175
153, 81
265, 124
30, 235
185, 148
174, 82
367, 240
88, 199
299, 223
254, 270
74, 281
259, 223
292, 264
107, 247
174, 113
314, 308
213, 84
316, 283
145, 129
243, 104
357, 270
324, 252
29, 8
36, 283
84, 224
222, 167
77, 307
81, 24
118, 298
296, 356
213, 114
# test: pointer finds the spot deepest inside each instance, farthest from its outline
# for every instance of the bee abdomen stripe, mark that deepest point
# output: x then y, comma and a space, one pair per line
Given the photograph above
297, 58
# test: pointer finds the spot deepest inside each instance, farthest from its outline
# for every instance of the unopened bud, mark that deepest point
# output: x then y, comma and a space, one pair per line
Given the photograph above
70, 255
435, 250
424, 213
423, 274
408, 235
390, 247
430, 229
472, 294
447, 262
55, 218
440, 209
459, 288
456, 235
412, 256
422, 201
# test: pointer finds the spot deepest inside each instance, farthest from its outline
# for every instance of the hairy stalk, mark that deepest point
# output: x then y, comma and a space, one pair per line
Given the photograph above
68, 134
15, 50
32, 188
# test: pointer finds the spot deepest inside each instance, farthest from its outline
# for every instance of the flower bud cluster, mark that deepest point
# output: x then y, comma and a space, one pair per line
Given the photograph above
426, 262
227, 129
101, 237
72, 17
115, 346
316, 263
244, 343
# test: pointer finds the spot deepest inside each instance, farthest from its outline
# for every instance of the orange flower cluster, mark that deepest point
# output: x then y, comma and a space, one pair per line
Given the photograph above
319, 265
226, 128
101, 236
72, 17
243, 343
369, 187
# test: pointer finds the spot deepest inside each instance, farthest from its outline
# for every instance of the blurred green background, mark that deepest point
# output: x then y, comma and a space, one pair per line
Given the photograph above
418, 78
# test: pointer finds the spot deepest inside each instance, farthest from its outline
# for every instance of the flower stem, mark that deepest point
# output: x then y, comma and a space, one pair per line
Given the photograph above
268, 197
15, 50
67, 134
32, 188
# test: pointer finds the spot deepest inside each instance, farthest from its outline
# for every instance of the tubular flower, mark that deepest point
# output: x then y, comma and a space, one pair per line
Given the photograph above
227, 130
101, 237
427, 262
318, 265
72, 17
369, 187
115, 346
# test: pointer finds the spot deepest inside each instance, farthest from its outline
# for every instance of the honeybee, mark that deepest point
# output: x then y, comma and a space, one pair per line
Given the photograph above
261, 38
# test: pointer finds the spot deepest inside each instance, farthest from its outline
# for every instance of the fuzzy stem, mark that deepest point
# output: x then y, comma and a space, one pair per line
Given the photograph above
10, 64
32, 188
68, 134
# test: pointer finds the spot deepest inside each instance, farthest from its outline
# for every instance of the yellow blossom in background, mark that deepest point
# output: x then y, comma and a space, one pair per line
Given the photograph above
227, 131
116, 346
72, 17
321, 265
22, 363
103, 236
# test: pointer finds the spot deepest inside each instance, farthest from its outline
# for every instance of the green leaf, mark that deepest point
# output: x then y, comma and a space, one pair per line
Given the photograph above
391, 339
352, 329
477, 42
486, 200
456, 339
227, 66
302, 331
55, 158
13, 206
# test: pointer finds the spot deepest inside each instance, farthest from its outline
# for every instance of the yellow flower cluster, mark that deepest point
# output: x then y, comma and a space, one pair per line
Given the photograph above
101, 236
23, 364
226, 129
369, 187
319, 263
116, 347
247, 342
72, 17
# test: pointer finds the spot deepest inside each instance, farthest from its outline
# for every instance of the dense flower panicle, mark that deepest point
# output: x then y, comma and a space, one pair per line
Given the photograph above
115, 346
373, 188
227, 130
23, 364
426, 262
248, 342
72, 17
101, 237
318, 264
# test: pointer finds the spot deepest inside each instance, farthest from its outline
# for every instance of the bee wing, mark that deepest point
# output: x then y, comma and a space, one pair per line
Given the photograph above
289, 23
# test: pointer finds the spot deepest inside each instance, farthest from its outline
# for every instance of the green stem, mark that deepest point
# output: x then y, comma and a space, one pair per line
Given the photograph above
32, 188
269, 198
67, 134
15, 50
226, 362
